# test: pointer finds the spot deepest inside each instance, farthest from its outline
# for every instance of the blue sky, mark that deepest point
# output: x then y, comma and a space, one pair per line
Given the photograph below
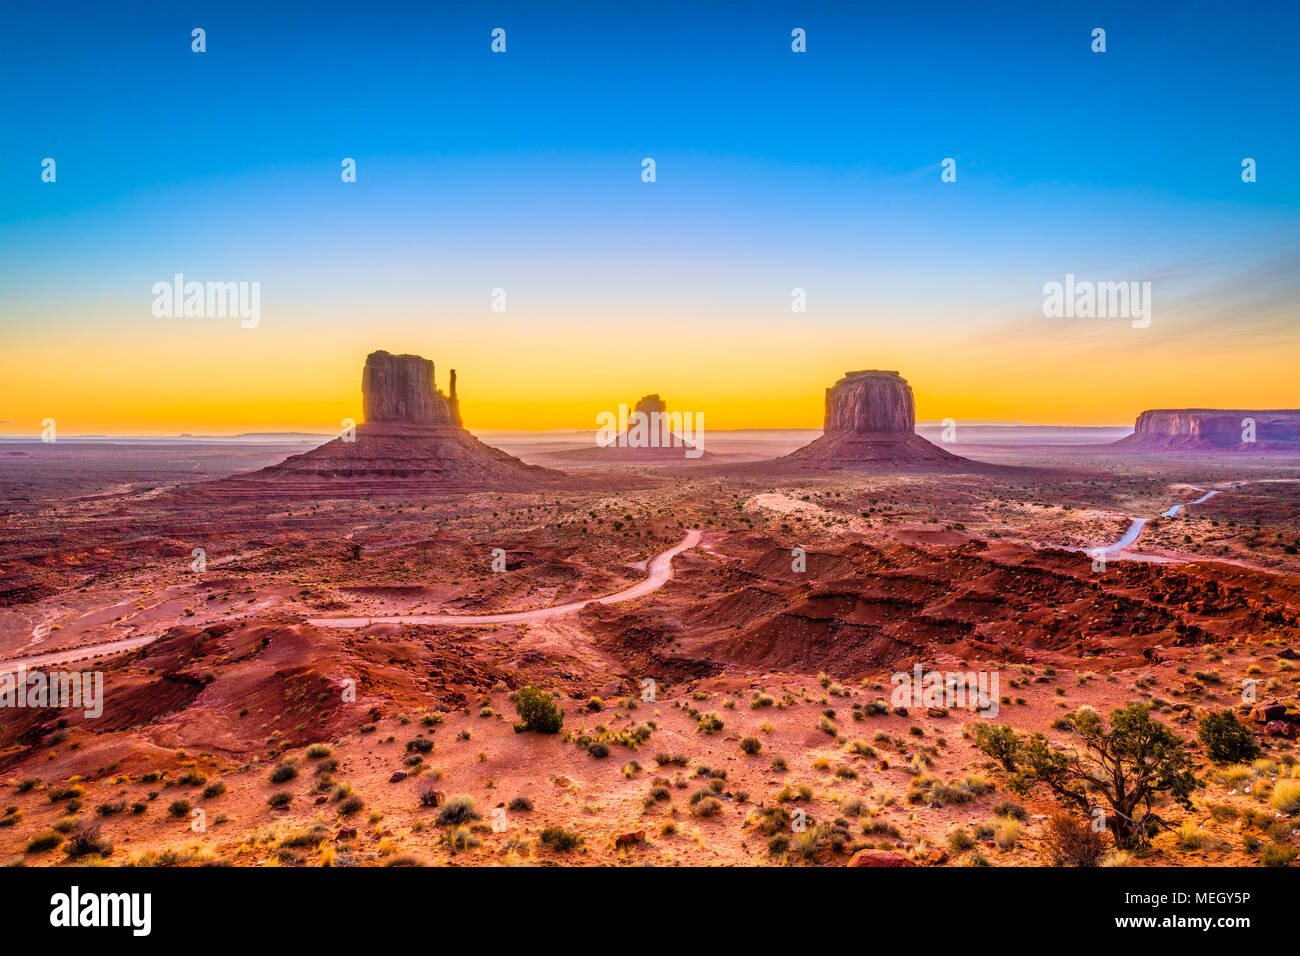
818, 170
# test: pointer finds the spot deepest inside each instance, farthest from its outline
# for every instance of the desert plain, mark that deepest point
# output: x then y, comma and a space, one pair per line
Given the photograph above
297, 675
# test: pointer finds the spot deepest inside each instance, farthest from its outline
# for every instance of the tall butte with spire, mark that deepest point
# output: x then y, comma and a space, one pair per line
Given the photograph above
412, 441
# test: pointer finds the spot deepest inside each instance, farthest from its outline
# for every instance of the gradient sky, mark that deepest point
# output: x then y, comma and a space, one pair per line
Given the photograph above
522, 171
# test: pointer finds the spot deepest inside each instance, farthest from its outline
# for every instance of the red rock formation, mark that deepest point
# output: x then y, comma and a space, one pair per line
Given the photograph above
400, 389
870, 419
650, 404
411, 442
1215, 429
870, 401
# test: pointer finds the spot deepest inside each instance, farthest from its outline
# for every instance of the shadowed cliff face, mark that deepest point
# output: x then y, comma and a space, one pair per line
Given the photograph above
870, 401
399, 389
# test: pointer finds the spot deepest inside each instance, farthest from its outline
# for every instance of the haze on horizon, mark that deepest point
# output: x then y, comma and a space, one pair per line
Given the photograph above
775, 171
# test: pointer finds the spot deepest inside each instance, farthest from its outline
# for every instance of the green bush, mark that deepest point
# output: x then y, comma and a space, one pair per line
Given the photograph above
538, 711
560, 839
284, 773
1226, 739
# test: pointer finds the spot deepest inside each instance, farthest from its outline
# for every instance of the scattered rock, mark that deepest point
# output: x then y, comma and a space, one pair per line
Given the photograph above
625, 840
1279, 728
397, 777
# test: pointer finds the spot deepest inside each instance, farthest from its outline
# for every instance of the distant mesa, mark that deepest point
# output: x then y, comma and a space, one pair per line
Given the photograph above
412, 440
651, 432
871, 421
646, 434
1215, 429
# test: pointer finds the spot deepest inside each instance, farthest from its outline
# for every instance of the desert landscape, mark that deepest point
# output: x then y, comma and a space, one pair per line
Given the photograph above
716, 443
406, 646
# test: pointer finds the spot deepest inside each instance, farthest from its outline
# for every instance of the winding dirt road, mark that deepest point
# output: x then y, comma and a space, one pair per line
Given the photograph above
660, 572
1137, 525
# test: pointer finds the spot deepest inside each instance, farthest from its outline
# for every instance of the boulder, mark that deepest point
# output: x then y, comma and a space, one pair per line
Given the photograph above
1264, 713
625, 840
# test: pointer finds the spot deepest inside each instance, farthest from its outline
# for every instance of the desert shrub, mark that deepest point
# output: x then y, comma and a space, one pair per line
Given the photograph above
193, 778
960, 840
709, 724
84, 840
428, 794
1278, 854
30, 783
597, 750
521, 805
1286, 796
1226, 739
1006, 833
1071, 841
316, 751
419, 745
708, 807
214, 789
538, 711
458, 810
281, 799
560, 839
927, 789
751, 745
43, 842
283, 773
64, 793
351, 805
675, 760
460, 838
179, 808
1008, 808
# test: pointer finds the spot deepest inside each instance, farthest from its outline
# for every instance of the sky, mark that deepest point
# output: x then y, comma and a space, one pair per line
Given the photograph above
522, 171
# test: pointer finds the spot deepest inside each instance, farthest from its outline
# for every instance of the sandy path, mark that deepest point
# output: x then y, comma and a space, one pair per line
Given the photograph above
660, 572
75, 654
1137, 525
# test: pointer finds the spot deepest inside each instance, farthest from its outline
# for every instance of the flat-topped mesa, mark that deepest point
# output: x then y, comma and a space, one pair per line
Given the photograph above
400, 390
870, 401
1216, 429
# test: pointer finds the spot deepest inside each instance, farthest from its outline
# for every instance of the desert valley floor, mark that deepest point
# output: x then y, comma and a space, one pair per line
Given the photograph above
255, 680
